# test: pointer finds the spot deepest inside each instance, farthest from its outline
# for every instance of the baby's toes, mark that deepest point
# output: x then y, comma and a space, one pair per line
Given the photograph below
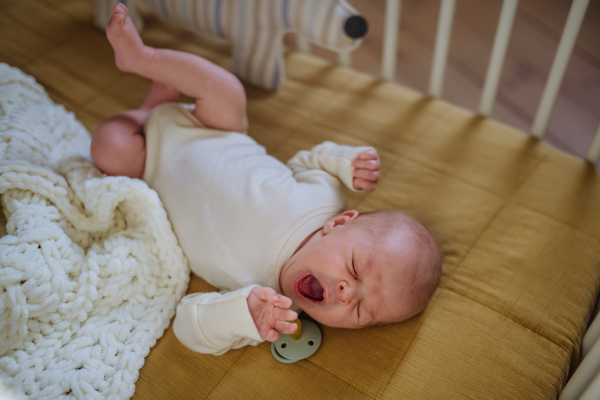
120, 8
115, 24
117, 19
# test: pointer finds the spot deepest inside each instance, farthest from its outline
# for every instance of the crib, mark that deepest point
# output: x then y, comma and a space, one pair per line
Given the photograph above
586, 378
518, 221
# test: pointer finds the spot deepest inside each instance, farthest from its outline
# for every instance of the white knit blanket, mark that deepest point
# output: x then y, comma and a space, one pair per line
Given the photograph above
90, 270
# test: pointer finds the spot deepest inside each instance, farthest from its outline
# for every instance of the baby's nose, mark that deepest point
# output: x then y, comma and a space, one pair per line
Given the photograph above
345, 292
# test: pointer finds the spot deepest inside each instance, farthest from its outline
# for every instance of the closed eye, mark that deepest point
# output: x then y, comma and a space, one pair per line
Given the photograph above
356, 277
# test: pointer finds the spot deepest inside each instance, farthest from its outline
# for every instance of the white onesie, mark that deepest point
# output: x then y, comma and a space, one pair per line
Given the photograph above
239, 215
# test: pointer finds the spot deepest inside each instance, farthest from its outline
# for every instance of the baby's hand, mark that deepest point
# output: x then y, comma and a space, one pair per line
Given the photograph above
366, 170
270, 312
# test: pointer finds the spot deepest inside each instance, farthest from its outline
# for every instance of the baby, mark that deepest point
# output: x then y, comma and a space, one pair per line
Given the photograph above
267, 234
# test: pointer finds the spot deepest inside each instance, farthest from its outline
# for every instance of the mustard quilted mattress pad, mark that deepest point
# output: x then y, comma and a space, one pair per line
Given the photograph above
518, 223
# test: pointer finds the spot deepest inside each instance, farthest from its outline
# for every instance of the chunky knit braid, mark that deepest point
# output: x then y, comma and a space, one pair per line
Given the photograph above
90, 270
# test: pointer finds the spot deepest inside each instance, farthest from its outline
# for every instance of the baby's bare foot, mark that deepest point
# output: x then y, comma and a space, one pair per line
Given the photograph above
126, 42
160, 93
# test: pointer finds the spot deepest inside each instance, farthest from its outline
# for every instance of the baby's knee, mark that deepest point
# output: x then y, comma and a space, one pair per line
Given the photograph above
118, 147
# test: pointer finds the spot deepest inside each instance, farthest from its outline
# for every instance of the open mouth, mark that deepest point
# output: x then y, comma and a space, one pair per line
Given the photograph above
310, 288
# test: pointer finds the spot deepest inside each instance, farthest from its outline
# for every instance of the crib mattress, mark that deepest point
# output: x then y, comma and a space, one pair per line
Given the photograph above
518, 223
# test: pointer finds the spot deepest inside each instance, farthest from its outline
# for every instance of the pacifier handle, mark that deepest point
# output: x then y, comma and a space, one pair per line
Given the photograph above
298, 334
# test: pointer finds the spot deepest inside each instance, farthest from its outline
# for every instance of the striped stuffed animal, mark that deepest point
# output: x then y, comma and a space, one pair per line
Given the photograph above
255, 28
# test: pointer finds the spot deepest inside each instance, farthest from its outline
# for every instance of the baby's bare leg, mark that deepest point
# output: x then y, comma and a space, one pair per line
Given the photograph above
118, 144
220, 97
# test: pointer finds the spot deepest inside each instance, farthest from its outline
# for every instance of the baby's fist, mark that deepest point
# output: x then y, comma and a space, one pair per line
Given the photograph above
270, 312
366, 170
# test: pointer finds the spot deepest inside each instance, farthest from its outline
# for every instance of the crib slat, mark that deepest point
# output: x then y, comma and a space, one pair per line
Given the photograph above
559, 66
592, 392
492, 79
390, 39
442, 45
584, 374
592, 335
593, 154
303, 44
345, 59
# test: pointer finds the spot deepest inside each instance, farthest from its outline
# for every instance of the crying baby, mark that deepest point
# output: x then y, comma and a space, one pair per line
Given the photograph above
273, 237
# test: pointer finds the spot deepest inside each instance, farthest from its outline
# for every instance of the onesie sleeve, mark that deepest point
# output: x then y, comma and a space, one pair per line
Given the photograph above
213, 323
327, 157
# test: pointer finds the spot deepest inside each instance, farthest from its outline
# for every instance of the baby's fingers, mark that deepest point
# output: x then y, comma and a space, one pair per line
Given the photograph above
372, 165
283, 302
272, 336
367, 175
361, 184
266, 294
280, 327
283, 314
285, 327
367, 155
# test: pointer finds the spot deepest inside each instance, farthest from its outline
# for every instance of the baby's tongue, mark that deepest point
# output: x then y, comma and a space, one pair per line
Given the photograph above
311, 288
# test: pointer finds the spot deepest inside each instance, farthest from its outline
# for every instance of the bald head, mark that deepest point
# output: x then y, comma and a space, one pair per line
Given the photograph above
426, 266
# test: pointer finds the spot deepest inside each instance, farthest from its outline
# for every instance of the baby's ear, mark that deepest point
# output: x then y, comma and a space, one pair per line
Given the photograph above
340, 220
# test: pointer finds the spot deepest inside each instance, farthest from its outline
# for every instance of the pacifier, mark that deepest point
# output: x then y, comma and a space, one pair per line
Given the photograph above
299, 345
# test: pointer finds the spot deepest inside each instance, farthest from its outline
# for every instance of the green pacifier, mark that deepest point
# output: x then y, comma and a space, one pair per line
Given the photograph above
299, 345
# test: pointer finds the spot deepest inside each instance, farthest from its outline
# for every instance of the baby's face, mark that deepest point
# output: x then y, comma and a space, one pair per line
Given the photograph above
350, 278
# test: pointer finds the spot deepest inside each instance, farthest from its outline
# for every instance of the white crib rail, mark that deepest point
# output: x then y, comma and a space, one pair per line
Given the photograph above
559, 66
345, 59
592, 335
593, 390
490, 89
303, 43
442, 46
584, 376
494, 71
492, 78
390, 39
585, 382
593, 154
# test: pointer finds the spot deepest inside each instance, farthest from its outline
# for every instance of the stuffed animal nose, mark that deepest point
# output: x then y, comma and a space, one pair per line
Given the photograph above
356, 27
